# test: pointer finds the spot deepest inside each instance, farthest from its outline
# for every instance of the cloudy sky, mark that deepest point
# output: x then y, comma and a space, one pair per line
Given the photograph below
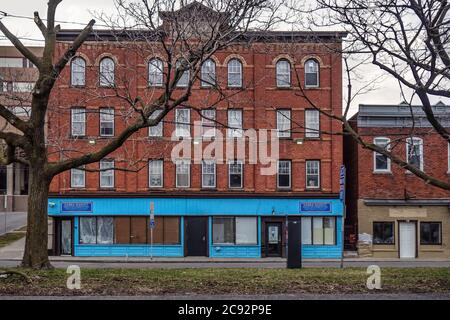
386, 92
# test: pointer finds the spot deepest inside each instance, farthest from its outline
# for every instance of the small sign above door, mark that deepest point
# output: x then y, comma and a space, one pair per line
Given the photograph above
76, 207
315, 207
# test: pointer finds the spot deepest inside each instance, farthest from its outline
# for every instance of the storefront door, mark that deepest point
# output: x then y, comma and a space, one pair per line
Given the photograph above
66, 237
408, 240
196, 236
273, 239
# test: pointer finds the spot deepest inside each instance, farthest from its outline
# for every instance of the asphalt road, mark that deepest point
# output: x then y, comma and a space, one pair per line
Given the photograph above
12, 221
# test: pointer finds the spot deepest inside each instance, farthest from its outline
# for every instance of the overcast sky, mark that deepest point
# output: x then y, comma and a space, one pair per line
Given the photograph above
387, 91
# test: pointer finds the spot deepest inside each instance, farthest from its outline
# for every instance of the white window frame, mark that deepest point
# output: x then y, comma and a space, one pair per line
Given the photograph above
241, 164
80, 172
158, 130
284, 118
290, 174
155, 72
312, 129
183, 129
408, 144
183, 162
107, 116
231, 71
79, 69
161, 168
386, 141
210, 130
104, 74
208, 73
235, 129
106, 164
317, 65
81, 112
185, 76
213, 163
281, 73
309, 174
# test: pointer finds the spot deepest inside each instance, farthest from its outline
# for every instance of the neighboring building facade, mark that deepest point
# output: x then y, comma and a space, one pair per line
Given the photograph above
17, 78
202, 209
401, 214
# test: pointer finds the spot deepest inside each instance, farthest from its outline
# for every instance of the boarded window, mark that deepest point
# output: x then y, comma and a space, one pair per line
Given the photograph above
166, 231
122, 226
138, 230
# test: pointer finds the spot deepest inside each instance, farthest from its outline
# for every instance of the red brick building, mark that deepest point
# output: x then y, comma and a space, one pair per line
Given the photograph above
219, 199
404, 216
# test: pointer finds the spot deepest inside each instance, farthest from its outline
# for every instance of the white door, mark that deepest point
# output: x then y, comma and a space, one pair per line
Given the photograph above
407, 240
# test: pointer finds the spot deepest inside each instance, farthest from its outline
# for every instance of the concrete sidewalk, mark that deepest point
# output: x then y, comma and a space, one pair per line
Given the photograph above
10, 221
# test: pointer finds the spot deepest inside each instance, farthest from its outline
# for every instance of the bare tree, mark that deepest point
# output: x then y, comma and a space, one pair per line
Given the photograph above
409, 41
186, 39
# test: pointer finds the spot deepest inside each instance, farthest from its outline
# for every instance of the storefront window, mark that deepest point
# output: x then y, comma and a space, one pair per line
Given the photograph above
96, 230
430, 233
319, 230
235, 230
383, 232
223, 230
246, 230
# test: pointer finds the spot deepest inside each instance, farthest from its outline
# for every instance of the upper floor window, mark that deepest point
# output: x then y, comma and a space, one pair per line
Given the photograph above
183, 173
208, 73
11, 62
182, 65
414, 152
78, 121
78, 72
106, 122
311, 73
156, 173
155, 73
235, 123
77, 177
208, 174
183, 122
107, 68
107, 174
235, 173
381, 163
235, 73
284, 174
312, 174
312, 123
156, 130
284, 123
208, 123
283, 73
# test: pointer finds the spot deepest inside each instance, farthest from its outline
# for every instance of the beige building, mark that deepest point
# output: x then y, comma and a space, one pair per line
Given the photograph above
17, 77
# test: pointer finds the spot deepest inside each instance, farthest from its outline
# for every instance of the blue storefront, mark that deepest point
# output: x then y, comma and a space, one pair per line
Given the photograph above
214, 227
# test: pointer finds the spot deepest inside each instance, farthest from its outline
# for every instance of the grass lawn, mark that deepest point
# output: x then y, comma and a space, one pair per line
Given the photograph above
226, 281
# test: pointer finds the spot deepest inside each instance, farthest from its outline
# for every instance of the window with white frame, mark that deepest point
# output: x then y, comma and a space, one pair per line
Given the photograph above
77, 177
234, 73
319, 230
183, 172
78, 121
414, 152
284, 174
182, 122
78, 72
312, 123
208, 123
311, 73
182, 65
96, 230
208, 73
107, 70
22, 86
208, 174
283, 123
235, 174
107, 173
155, 72
312, 174
156, 130
106, 122
283, 70
156, 173
381, 163
235, 123
235, 230
11, 62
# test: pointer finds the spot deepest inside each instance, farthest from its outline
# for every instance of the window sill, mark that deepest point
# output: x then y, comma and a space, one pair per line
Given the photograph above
383, 172
77, 87
284, 88
279, 189
105, 137
208, 189
235, 88
311, 87
107, 189
312, 138
313, 189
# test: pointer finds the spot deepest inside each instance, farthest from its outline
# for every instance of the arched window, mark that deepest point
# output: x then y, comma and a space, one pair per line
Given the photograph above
78, 72
234, 73
311, 73
155, 73
107, 72
184, 79
208, 73
283, 73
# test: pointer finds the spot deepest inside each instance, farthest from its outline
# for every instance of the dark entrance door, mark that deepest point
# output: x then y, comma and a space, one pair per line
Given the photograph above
196, 231
66, 237
273, 239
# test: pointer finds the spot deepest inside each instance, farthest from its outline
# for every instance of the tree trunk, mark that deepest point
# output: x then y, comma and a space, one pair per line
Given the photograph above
36, 254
